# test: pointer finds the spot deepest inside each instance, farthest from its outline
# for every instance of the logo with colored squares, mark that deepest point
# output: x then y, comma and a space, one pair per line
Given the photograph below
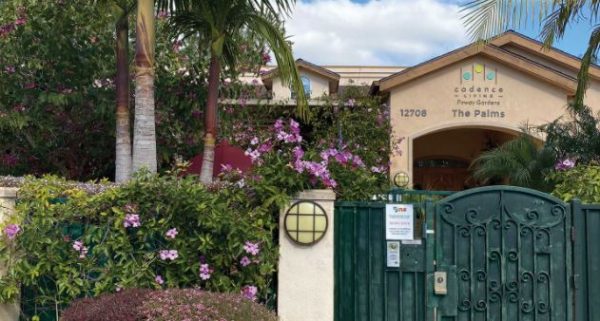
478, 72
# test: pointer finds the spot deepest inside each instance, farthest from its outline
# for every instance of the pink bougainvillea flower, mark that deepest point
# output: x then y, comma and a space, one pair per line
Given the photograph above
132, 220
252, 248
249, 292
172, 233
168, 255
11, 231
205, 271
245, 261
10, 69
159, 279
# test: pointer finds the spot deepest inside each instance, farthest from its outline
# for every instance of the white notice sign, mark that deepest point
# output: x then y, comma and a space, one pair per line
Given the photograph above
399, 222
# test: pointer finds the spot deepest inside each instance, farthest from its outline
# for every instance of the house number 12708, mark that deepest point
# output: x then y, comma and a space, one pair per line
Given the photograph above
413, 112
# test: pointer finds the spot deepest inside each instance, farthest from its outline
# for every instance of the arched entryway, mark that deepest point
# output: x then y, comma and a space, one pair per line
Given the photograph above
442, 158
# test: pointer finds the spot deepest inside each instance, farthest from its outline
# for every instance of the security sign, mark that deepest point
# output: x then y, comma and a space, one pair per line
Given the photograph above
399, 222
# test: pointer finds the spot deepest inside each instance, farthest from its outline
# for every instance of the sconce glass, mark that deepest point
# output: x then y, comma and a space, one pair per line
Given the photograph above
305, 222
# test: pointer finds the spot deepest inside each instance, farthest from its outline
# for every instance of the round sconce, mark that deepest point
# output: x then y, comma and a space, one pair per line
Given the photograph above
305, 222
401, 179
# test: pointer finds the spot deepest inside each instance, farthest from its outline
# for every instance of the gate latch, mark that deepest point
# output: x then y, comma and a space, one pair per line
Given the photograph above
440, 285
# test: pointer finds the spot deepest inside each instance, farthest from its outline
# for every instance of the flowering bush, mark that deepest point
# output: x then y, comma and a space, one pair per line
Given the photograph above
345, 147
581, 182
64, 243
167, 305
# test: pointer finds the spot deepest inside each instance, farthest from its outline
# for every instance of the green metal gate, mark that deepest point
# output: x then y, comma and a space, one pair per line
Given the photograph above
493, 253
504, 254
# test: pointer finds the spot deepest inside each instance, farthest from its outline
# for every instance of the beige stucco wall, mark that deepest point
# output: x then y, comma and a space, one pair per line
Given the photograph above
8, 312
305, 273
319, 86
523, 100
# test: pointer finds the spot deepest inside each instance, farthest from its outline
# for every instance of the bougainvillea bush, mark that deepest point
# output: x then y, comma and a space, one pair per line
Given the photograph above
345, 146
168, 305
65, 242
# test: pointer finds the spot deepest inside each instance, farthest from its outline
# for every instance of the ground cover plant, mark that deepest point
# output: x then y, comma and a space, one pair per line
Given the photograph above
168, 305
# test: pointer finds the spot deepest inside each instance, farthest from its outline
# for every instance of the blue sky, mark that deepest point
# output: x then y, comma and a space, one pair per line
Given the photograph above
391, 32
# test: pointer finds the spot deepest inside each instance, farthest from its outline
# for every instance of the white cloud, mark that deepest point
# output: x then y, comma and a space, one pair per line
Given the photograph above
384, 32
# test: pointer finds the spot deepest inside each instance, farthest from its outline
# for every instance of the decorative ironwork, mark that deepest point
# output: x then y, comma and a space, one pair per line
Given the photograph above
510, 253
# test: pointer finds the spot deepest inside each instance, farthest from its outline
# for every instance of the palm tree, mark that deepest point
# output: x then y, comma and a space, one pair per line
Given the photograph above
144, 139
487, 18
123, 157
219, 23
521, 161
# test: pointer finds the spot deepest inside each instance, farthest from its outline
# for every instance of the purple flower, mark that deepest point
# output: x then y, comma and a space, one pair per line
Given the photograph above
295, 126
357, 161
132, 220
252, 248
205, 271
253, 154
11, 231
10, 69
350, 102
254, 141
564, 164
245, 261
298, 152
172, 233
278, 126
249, 292
79, 247
158, 279
378, 169
169, 255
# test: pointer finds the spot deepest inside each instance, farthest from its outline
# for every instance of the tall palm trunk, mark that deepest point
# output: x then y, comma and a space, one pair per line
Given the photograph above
210, 121
123, 134
144, 139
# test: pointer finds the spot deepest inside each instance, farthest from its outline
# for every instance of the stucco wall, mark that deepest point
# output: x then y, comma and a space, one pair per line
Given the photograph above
8, 312
319, 86
523, 100
305, 273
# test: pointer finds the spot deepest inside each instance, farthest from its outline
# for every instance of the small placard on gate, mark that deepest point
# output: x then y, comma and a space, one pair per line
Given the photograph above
393, 254
399, 222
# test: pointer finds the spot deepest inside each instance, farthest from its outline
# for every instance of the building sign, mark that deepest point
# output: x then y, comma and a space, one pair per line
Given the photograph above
479, 94
399, 222
393, 254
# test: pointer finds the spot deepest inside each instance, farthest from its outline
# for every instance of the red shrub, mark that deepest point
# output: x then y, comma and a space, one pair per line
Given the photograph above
121, 306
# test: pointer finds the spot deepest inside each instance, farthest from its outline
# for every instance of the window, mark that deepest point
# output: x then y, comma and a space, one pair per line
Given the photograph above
306, 84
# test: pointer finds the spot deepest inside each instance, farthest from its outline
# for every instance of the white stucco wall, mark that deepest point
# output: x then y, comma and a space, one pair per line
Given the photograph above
8, 312
306, 274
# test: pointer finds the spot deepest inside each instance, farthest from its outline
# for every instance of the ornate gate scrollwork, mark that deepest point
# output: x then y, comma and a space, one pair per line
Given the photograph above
510, 249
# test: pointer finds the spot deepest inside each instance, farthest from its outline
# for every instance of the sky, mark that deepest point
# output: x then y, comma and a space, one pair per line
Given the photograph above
391, 32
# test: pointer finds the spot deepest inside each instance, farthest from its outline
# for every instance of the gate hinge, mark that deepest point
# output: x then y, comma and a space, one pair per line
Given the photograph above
572, 233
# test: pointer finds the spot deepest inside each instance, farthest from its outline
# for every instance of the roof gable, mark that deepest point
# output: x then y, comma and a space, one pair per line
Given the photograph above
331, 76
490, 50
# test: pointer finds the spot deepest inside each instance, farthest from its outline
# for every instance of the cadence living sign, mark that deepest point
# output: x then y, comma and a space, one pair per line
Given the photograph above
478, 94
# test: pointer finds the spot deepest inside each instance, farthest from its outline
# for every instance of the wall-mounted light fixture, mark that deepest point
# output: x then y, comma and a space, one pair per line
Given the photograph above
305, 222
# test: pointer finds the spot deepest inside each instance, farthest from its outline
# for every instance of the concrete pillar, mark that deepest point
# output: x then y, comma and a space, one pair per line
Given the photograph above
306, 274
8, 195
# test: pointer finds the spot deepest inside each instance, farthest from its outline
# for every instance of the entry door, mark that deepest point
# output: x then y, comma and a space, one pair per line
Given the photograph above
499, 253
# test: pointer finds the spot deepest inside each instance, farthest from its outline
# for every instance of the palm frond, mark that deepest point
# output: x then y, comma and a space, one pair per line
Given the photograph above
485, 19
587, 60
286, 65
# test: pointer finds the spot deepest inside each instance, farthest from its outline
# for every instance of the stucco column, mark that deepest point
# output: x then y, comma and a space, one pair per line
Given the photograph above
8, 195
306, 289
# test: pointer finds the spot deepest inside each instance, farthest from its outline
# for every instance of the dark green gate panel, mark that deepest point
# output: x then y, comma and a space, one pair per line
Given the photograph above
586, 253
366, 289
507, 255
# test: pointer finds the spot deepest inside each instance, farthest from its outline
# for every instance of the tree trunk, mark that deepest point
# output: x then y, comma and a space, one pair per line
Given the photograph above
123, 128
144, 139
210, 121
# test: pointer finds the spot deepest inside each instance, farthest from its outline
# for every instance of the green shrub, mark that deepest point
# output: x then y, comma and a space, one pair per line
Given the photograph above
581, 182
74, 244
